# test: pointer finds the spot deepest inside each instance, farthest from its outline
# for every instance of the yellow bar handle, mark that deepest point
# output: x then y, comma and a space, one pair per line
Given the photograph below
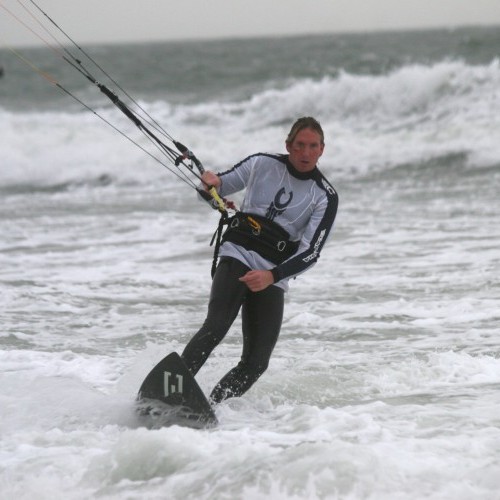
220, 202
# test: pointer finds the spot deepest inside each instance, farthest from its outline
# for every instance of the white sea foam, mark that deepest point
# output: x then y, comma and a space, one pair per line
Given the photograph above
384, 383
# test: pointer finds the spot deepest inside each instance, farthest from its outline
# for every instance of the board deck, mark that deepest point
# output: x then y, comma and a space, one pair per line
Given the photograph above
170, 395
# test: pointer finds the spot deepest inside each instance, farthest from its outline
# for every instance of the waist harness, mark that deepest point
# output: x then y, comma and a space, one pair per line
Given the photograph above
257, 233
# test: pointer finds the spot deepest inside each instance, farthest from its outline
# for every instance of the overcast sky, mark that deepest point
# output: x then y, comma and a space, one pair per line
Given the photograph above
151, 20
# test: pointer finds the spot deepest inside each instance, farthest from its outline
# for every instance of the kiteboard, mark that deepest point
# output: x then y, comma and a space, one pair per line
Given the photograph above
170, 395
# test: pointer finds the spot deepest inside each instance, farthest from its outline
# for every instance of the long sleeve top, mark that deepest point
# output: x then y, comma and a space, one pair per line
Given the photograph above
303, 203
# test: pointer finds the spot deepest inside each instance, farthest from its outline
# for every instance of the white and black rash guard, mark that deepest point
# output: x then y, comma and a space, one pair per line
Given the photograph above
303, 203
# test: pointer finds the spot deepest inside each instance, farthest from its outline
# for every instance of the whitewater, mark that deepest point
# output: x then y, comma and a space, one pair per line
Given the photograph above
385, 382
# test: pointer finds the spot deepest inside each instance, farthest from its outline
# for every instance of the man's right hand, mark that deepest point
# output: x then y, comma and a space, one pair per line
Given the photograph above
210, 179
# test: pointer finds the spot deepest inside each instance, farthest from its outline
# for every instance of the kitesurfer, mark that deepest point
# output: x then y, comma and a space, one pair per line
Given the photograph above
286, 216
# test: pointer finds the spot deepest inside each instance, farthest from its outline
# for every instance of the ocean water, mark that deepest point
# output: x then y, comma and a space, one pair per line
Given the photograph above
385, 382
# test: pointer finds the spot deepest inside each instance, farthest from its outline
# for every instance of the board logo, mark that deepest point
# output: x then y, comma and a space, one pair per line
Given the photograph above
172, 383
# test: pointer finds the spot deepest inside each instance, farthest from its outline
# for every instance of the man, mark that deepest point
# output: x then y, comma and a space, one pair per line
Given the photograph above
286, 216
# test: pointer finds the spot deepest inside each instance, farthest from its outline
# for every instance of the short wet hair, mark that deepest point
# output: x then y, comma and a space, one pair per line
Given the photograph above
303, 123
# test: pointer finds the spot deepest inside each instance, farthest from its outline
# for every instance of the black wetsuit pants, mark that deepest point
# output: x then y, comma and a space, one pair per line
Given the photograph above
261, 313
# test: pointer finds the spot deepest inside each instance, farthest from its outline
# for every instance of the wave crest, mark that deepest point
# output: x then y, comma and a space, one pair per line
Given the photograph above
372, 123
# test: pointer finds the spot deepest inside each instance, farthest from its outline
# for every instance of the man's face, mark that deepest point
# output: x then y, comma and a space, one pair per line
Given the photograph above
305, 150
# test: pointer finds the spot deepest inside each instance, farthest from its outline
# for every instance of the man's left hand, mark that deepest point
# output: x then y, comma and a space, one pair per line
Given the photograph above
258, 280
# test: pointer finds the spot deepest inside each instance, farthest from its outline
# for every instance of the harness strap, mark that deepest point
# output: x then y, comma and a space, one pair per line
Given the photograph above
217, 238
257, 233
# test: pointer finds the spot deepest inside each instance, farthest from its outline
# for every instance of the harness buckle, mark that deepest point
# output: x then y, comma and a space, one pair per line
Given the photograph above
256, 227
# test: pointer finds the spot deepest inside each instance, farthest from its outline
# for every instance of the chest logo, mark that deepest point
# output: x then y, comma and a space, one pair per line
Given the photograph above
278, 206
